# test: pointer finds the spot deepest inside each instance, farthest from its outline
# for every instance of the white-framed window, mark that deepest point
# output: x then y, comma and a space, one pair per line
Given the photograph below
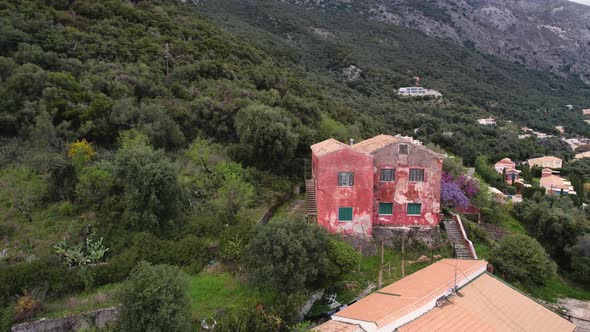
345, 179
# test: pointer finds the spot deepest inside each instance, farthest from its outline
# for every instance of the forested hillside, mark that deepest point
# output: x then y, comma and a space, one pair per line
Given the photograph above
162, 131
326, 44
138, 131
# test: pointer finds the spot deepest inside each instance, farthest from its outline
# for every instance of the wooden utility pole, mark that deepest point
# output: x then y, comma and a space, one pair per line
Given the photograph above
167, 56
389, 270
380, 278
403, 256
382, 254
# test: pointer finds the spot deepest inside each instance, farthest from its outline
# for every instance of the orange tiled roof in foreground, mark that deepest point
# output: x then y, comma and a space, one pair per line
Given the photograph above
488, 304
411, 296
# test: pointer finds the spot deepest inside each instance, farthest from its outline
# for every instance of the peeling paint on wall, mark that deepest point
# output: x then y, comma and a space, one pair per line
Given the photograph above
368, 190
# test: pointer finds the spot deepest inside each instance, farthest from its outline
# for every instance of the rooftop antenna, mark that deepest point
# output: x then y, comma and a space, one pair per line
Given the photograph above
454, 290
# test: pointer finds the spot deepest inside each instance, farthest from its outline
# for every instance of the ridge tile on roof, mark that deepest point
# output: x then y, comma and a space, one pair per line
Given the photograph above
327, 146
373, 144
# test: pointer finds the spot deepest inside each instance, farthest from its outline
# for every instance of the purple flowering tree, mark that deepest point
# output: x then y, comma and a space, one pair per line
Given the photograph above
457, 192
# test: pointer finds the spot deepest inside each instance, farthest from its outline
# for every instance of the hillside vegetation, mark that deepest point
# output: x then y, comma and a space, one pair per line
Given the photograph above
138, 131
325, 44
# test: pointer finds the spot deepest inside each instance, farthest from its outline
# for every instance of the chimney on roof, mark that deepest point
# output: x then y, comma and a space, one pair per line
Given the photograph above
351, 141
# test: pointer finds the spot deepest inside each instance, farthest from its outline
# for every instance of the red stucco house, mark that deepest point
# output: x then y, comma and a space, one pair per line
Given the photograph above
382, 181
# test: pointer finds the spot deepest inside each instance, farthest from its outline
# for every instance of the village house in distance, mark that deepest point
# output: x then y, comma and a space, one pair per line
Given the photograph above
418, 91
487, 121
507, 167
546, 162
381, 181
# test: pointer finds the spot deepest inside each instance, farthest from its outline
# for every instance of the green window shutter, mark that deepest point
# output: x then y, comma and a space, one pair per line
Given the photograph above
345, 214
414, 208
385, 208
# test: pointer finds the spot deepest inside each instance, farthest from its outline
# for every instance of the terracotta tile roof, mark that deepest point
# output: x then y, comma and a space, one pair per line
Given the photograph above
411, 293
367, 146
328, 146
373, 144
582, 155
506, 161
488, 304
335, 326
555, 182
380, 141
542, 159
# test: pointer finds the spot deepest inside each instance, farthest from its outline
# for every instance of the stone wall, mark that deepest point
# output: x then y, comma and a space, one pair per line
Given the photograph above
392, 236
100, 318
364, 245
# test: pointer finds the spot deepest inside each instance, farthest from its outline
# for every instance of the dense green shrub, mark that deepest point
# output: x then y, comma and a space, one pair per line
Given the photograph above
510, 190
488, 173
289, 255
249, 319
529, 192
148, 179
476, 233
522, 258
47, 272
116, 270
266, 134
580, 259
554, 222
155, 298
343, 259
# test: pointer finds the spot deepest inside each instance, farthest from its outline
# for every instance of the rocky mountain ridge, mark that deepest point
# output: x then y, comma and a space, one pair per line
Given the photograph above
551, 35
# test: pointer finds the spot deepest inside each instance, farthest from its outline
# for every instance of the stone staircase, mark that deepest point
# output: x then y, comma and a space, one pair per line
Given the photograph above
458, 242
310, 199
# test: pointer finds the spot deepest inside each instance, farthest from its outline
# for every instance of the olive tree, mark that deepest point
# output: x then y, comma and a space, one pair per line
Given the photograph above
522, 258
266, 135
289, 255
148, 179
155, 298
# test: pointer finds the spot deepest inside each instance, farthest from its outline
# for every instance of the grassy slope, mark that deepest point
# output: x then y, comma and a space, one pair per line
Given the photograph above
209, 293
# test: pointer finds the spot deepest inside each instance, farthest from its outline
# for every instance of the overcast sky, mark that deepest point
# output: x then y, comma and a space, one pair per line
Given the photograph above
586, 2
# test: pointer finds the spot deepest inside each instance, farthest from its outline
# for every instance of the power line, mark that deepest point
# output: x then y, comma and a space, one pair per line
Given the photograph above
487, 298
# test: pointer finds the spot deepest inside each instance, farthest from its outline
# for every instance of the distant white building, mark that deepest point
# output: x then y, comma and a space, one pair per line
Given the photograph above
487, 121
586, 111
541, 135
418, 91
569, 107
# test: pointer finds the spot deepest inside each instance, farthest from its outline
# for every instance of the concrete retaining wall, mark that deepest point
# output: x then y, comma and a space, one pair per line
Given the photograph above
392, 236
100, 318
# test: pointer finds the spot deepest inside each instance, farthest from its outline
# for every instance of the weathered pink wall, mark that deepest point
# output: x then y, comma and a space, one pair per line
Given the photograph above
402, 191
329, 196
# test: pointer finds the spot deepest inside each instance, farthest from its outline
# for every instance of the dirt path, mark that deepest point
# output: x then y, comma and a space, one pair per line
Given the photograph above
580, 309
298, 207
